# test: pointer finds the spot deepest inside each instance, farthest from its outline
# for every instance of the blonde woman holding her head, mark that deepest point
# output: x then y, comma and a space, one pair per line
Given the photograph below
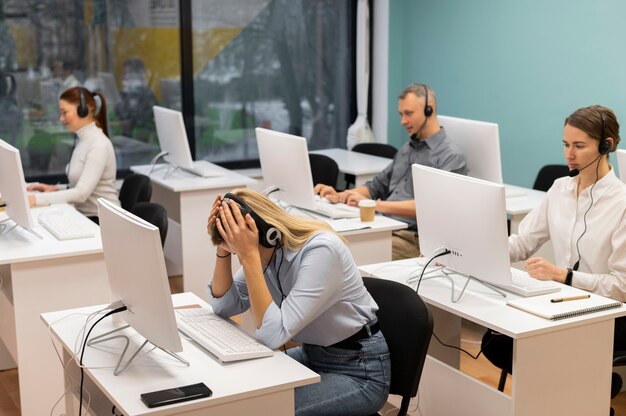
301, 283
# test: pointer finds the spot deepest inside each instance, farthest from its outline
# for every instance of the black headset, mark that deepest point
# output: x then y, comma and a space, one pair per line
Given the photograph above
269, 236
82, 110
604, 147
428, 110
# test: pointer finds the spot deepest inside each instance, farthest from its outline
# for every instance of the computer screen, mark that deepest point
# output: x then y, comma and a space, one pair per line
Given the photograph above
13, 187
466, 216
621, 163
136, 270
173, 137
480, 142
285, 164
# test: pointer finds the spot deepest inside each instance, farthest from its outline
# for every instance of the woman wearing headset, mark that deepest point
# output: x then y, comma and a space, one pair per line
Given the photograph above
301, 283
92, 168
584, 216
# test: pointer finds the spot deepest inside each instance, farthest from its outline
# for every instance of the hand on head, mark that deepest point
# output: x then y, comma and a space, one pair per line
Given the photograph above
542, 269
239, 233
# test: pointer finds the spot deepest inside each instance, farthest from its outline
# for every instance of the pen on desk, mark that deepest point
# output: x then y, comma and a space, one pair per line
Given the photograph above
570, 298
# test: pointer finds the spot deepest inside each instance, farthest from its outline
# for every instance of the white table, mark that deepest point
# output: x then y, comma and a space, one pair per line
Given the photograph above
188, 200
368, 241
40, 275
520, 202
363, 166
254, 387
560, 367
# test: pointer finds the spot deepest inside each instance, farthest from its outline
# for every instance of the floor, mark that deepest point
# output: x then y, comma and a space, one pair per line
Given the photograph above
471, 335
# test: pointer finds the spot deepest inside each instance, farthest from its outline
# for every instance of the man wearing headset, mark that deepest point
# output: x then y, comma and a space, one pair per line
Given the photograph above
393, 187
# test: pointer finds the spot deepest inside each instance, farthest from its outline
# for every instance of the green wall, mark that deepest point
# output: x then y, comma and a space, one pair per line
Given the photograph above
525, 65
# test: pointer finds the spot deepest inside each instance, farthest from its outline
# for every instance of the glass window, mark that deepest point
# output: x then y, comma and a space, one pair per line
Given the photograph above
287, 65
127, 50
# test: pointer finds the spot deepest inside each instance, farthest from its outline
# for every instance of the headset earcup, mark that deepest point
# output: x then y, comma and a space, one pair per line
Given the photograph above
604, 147
273, 236
82, 109
428, 111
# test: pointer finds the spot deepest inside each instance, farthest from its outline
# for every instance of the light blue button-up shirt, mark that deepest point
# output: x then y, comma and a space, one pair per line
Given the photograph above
325, 300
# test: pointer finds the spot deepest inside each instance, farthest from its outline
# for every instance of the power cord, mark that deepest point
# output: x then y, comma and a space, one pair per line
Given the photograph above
82, 353
433, 257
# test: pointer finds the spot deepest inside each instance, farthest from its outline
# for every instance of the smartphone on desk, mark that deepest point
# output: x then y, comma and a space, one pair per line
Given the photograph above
176, 395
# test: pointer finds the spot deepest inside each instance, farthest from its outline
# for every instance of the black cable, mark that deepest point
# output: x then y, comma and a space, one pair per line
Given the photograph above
575, 267
82, 353
458, 348
443, 253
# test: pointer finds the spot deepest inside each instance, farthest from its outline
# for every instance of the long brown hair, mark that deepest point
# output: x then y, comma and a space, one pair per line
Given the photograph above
295, 230
597, 122
99, 113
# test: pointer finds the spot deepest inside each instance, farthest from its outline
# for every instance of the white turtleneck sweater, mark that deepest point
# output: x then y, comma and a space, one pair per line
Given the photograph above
91, 173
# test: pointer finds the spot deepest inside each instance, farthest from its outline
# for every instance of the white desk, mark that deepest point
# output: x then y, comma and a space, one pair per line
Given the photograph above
521, 202
363, 166
560, 367
368, 241
255, 387
188, 200
39, 275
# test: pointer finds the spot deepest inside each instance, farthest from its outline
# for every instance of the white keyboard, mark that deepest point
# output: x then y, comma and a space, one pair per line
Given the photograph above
62, 226
335, 211
200, 169
219, 336
524, 285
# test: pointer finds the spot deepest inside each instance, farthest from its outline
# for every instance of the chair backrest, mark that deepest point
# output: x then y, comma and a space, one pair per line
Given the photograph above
323, 169
376, 149
155, 214
548, 174
407, 324
135, 188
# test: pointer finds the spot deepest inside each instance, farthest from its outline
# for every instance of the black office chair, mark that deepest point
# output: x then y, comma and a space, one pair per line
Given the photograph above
548, 174
407, 324
374, 149
323, 169
155, 214
135, 188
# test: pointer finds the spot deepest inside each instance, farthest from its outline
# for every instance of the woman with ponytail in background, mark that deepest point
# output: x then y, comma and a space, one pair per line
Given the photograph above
92, 168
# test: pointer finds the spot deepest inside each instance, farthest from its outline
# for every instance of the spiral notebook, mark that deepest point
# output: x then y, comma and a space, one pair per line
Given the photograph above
562, 308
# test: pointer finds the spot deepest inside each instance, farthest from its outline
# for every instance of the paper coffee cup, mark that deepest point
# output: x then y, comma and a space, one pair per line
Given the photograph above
367, 209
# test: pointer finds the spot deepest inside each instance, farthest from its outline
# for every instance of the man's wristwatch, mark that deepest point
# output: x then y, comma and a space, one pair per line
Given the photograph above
568, 277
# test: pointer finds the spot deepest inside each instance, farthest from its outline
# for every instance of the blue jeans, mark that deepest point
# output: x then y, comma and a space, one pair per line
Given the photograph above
353, 382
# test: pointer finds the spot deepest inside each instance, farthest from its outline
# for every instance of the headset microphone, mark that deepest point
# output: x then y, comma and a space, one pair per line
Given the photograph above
575, 172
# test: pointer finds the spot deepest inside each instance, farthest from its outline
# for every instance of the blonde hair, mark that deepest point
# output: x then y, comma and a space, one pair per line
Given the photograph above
295, 230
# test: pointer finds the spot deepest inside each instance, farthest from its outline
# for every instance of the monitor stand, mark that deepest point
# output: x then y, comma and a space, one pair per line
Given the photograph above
468, 278
4, 231
119, 368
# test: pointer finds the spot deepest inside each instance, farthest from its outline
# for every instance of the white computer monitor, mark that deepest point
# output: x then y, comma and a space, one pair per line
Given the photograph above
135, 264
285, 164
172, 136
466, 216
174, 144
480, 142
621, 163
13, 187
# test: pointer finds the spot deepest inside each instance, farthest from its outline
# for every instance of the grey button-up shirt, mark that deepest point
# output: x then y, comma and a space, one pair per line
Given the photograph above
395, 183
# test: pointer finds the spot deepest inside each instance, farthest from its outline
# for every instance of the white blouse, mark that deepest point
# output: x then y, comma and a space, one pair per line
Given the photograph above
601, 236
